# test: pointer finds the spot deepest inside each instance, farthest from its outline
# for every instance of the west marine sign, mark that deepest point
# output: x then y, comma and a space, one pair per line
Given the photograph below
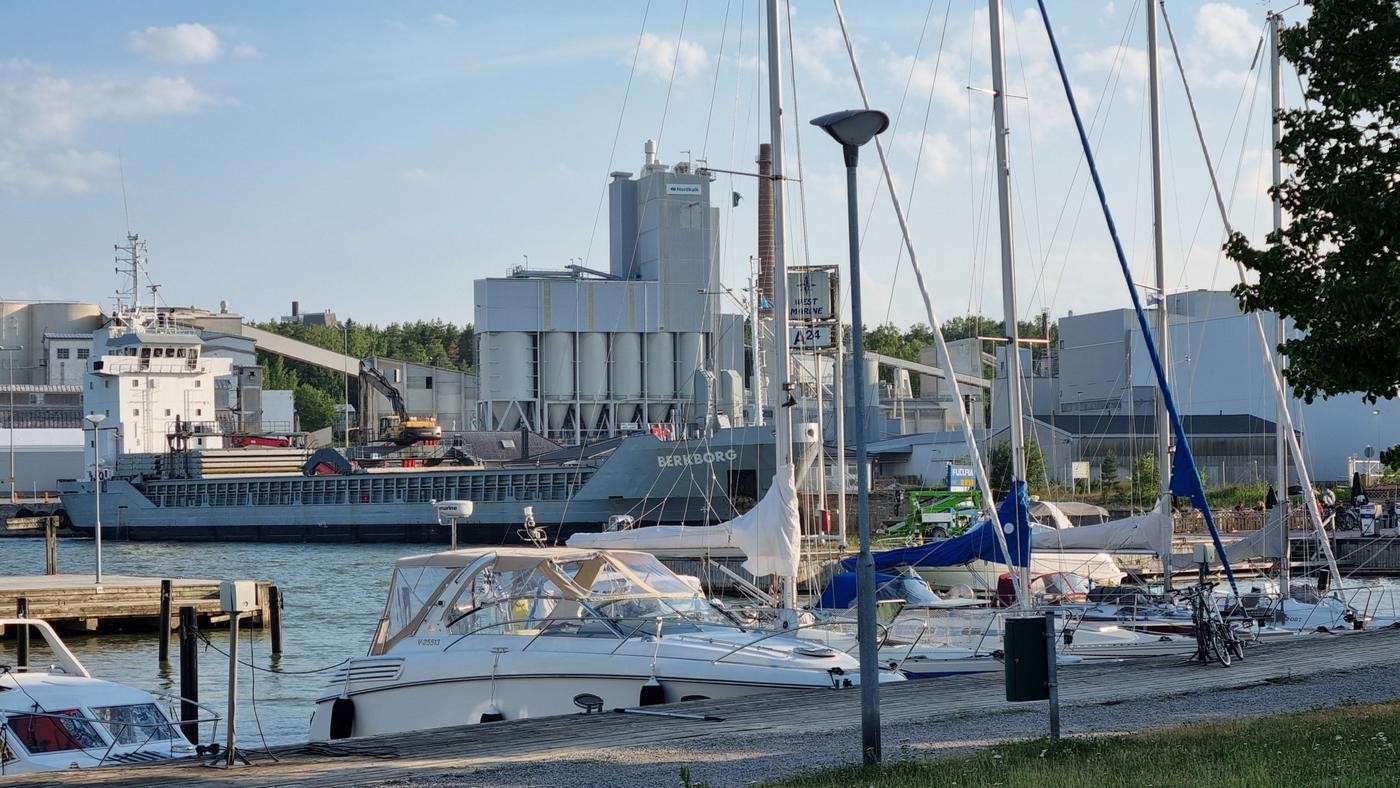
696, 458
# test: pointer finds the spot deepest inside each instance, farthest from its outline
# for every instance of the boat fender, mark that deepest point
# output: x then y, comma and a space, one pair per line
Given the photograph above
653, 694
342, 718
1069, 637
492, 714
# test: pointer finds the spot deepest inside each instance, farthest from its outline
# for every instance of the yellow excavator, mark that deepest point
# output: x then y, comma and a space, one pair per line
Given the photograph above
400, 428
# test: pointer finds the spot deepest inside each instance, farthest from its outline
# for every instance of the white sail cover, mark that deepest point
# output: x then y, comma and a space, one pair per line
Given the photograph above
769, 534
1141, 532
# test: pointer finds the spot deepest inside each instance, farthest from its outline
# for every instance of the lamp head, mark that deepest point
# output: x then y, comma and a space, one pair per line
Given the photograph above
853, 127
95, 418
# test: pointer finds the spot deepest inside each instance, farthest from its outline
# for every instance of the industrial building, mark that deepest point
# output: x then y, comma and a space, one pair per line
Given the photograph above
580, 354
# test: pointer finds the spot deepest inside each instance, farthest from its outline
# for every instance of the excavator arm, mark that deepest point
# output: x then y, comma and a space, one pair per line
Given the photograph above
377, 381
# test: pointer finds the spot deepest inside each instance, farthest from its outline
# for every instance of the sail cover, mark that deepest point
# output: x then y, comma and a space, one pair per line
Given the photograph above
979, 542
1141, 532
769, 534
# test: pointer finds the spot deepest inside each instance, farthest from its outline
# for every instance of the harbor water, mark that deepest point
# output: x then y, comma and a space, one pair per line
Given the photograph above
334, 595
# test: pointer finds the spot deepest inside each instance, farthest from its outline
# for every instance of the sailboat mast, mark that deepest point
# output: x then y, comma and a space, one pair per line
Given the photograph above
1016, 422
1280, 423
780, 374
1160, 420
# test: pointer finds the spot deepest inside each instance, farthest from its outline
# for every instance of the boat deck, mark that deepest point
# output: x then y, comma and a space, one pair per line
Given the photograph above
416, 757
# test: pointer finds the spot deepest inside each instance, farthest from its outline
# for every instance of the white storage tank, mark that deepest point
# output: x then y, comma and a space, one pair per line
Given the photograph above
592, 377
690, 358
626, 372
557, 376
660, 374
507, 373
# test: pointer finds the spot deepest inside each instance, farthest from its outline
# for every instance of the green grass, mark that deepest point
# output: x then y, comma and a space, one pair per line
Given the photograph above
1346, 745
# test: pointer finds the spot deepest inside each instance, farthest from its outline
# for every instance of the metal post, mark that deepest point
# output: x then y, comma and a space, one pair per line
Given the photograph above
1281, 423
452, 531
865, 564
22, 634
97, 497
274, 603
1052, 675
230, 751
1008, 268
838, 402
189, 675
164, 649
782, 371
1164, 464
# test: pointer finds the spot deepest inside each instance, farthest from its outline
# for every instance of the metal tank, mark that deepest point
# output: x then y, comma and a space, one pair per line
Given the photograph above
507, 377
626, 383
592, 378
557, 377
660, 375
690, 358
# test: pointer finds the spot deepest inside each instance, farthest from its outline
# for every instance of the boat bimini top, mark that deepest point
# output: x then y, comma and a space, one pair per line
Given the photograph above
533, 591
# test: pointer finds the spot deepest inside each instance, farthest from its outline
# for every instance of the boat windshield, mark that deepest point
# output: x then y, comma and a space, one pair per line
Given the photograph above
640, 615
137, 723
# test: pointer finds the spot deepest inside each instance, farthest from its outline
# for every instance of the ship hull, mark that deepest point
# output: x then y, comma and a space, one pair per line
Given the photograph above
653, 481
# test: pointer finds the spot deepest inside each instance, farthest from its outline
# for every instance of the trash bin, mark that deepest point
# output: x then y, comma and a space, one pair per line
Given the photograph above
1026, 658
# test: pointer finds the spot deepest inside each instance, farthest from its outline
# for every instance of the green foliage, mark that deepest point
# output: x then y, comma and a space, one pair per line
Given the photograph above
1146, 483
1001, 466
315, 408
1333, 268
277, 376
1348, 745
422, 342
1108, 469
1390, 458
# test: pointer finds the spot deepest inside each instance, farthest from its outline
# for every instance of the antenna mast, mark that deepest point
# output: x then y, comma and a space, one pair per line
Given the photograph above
129, 260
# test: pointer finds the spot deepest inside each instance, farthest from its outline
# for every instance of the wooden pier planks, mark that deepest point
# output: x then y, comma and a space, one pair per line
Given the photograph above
424, 755
73, 601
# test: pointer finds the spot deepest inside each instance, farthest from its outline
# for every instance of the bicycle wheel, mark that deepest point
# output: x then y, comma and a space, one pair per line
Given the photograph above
1236, 645
1219, 648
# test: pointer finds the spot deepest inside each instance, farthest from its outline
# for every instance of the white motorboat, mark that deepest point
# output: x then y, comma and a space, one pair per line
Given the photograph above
486, 634
59, 717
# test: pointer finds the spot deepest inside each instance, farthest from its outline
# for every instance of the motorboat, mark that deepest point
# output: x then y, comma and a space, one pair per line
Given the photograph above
57, 716
486, 634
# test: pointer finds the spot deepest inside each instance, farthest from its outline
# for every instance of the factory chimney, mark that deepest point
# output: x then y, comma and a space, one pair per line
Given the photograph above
766, 243
296, 308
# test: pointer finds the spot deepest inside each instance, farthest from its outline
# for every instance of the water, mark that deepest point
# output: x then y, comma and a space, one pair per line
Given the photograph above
334, 594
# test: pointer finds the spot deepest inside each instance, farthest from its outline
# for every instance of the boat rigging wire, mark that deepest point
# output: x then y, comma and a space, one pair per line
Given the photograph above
671, 83
617, 133
945, 358
714, 87
1295, 449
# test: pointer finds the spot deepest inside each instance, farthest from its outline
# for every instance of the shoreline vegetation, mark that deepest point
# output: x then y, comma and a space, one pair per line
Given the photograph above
1348, 744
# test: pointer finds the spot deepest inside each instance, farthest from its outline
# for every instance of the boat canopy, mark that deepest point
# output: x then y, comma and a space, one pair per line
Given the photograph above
516, 590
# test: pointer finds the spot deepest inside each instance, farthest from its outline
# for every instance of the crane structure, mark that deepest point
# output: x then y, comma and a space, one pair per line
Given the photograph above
400, 429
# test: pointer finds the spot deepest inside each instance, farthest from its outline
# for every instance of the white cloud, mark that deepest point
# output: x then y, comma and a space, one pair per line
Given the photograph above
42, 115
443, 20
245, 50
189, 42
68, 170
658, 56
812, 51
1227, 29
936, 152
1110, 9
1131, 61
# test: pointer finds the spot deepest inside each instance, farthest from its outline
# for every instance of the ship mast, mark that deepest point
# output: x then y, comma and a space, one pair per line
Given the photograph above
129, 261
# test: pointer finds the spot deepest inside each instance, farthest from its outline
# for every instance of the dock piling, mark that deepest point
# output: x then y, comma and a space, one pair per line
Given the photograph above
22, 635
189, 674
51, 546
274, 604
164, 622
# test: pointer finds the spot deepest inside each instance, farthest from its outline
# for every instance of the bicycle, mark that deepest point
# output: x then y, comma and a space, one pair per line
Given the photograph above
1215, 638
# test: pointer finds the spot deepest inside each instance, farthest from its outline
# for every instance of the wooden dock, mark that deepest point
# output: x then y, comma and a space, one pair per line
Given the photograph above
124, 603
419, 756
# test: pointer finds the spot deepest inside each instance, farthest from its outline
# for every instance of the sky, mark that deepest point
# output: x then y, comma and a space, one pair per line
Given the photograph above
374, 158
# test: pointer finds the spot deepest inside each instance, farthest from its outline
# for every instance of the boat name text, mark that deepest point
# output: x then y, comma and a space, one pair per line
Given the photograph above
696, 458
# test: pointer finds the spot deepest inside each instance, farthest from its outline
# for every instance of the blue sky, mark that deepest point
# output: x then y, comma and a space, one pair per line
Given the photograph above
375, 158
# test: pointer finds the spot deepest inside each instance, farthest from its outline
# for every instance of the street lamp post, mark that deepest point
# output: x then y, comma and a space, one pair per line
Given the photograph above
854, 128
14, 494
95, 419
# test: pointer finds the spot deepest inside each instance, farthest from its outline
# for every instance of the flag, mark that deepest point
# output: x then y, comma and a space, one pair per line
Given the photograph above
735, 197
1154, 299
763, 302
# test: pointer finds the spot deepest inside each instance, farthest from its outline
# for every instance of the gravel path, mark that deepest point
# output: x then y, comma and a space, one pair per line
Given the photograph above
733, 760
